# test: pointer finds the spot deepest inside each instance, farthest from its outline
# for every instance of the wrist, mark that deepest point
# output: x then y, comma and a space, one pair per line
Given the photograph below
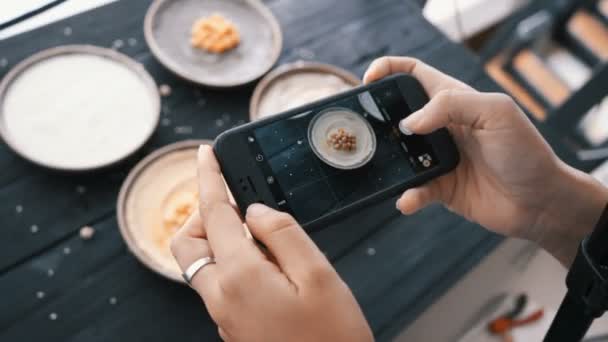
571, 214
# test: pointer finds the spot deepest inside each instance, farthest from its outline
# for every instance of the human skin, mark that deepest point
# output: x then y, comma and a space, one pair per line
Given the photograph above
290, 292
509, 180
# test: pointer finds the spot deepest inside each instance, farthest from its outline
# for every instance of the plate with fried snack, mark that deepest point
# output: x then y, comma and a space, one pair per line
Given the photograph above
216, 43
155, 200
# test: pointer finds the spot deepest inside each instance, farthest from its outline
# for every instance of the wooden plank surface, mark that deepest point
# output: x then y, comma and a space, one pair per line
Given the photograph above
97, 291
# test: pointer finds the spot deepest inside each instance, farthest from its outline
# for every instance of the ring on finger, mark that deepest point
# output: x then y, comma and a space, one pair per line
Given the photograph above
196, 266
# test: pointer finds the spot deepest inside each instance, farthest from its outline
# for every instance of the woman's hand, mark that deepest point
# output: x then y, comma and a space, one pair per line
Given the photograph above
508, 180
289, 292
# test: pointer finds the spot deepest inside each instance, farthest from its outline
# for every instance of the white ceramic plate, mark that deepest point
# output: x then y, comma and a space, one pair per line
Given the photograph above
78, 107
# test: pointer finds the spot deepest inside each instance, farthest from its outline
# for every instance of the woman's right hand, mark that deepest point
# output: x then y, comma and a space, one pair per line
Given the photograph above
286, 292
509, 180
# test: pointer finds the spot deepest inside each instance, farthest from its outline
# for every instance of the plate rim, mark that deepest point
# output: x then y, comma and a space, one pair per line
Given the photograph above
124, 192
292, 68
168, 63
86, 49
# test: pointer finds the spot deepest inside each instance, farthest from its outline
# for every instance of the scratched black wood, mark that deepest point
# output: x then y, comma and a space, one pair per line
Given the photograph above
395, 265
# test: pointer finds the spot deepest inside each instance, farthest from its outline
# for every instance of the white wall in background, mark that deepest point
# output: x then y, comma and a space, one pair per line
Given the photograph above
10, 9
475, 15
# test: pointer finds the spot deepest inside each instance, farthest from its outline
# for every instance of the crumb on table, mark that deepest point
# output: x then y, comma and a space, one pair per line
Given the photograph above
86, 232
164, 90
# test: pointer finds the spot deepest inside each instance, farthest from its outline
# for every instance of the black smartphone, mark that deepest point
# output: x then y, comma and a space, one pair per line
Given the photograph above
325, 159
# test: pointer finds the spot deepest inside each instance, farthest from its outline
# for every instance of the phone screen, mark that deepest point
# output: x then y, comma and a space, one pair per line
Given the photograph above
320, 161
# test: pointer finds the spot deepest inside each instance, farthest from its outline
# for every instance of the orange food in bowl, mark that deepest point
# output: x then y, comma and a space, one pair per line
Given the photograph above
215, 34
176, 209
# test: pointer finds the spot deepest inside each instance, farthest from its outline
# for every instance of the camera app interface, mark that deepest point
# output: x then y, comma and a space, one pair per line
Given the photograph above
320, 161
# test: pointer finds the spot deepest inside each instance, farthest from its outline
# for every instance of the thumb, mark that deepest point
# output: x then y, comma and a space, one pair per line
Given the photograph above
461, 107
295, 253
415, 199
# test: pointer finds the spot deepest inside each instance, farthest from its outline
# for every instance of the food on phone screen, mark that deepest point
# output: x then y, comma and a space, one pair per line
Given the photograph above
342, 140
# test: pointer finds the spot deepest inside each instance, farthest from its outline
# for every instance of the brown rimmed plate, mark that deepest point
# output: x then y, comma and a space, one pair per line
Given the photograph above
88, 50
167, 29
299, 70
148, 190
139, 238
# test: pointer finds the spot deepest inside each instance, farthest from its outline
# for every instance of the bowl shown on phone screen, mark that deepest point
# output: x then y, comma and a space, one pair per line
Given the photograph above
333, 123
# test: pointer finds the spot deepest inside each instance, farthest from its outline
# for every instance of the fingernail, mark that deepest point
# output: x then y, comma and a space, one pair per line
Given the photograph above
203, 149
201, 153
406, 124
403, 127
257, 209
365, 77
398, 206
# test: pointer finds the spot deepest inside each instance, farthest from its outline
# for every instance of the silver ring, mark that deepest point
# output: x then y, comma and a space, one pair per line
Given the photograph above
195, 267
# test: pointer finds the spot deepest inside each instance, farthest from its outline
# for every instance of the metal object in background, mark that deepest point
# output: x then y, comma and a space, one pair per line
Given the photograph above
587, 282
536, 28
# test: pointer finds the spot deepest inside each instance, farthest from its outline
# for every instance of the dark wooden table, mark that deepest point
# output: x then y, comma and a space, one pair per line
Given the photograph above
54, 286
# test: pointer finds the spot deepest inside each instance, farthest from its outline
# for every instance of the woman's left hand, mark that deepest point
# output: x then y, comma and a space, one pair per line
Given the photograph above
288, 293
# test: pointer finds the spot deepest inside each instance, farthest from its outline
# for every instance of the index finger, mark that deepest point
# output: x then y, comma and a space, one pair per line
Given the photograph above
220, 220
294, 251
431, 79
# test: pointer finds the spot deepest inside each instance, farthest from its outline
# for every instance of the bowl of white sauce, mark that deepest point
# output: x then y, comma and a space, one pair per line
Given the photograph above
296, 84
78, 107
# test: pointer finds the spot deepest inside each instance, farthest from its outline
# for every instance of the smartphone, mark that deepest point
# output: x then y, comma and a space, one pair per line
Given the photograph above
325, 159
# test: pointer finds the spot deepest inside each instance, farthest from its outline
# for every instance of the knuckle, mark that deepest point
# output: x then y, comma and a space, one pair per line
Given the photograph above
209, 209
175, 243
252, 272
320, 275
239, 273
381, 60
230, 279
216, 305
505, 103
221, 317
284, 220
222, 334
247, 265
280, 222
444, 97
381, 63
415, 61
